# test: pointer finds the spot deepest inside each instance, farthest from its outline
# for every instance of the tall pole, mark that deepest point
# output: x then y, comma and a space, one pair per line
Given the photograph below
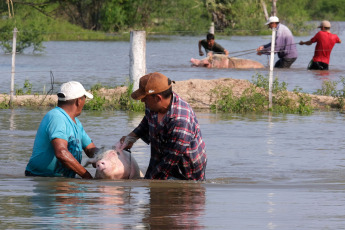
14, 46
137, 57
270, 82
274, 31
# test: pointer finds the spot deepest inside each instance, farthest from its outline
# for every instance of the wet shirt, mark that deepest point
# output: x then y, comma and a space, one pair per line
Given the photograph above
325, 43
284, 44
56, 124
216, 48
177, 148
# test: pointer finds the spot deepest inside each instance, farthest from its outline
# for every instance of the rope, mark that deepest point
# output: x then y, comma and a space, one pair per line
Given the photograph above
51, 89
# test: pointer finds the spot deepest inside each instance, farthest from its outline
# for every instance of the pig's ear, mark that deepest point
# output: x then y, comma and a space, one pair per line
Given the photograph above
114, 152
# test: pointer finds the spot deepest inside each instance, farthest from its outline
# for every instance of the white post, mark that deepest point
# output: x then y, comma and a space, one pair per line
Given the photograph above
137, 57
211, 31
270, 83
14, 46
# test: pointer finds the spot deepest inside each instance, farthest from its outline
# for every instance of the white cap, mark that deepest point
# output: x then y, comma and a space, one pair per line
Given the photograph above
72, 90
272, 19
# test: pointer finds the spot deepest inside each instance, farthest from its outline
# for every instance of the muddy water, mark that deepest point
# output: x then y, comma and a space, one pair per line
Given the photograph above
264, 171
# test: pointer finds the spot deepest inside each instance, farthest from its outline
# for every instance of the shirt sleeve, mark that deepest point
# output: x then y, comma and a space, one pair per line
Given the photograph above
85, 139
54, 128
142, 131
315, 38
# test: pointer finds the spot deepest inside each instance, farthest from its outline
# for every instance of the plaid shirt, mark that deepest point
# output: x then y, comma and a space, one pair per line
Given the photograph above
177, 148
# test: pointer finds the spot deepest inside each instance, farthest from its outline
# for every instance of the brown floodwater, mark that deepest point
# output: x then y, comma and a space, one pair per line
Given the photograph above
264, 171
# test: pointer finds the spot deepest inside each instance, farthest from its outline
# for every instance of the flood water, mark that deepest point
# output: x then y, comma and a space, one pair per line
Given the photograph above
264, 171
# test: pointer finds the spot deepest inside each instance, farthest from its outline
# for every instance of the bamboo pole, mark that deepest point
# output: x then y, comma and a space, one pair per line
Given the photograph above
14, 48
137, 57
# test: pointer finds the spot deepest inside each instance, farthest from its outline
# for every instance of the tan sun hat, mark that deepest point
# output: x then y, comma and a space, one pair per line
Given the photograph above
72, 90
151, 83
325, 23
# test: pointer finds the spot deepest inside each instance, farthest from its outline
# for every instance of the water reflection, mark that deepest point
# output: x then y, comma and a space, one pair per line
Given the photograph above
175, 206
12, 122
55, 196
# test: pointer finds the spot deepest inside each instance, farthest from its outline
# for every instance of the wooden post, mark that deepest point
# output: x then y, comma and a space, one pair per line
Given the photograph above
14, 48
211, 31
137, 57
270, 82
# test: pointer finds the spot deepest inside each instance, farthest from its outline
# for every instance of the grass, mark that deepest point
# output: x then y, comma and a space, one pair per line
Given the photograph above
123, 102
255, 99
329, 88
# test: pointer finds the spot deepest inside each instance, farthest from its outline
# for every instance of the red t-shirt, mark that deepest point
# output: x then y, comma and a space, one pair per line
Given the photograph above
325, 43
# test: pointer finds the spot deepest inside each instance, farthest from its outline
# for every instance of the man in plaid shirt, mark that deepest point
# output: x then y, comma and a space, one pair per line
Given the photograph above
172, 129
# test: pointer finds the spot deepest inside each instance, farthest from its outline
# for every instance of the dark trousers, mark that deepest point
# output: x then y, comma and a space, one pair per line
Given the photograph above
317, 65
284, 62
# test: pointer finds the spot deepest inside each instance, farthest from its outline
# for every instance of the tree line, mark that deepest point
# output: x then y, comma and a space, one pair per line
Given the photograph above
61, 19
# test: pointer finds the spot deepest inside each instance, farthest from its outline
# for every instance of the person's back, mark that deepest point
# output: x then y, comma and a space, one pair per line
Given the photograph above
325, 42
285, 44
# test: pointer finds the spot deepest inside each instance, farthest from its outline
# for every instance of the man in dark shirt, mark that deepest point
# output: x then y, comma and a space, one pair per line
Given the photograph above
211, 46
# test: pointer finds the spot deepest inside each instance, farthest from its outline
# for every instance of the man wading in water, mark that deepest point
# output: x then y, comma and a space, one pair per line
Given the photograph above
325, 42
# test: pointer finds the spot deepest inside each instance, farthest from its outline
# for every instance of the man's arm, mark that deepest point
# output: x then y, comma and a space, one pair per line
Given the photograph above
67, 159
91, 149
308, 43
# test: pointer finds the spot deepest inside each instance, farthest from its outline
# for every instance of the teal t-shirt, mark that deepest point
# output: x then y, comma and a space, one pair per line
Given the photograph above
56, 124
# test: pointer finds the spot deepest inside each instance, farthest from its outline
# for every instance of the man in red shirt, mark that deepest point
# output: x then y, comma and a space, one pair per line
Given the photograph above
325, 42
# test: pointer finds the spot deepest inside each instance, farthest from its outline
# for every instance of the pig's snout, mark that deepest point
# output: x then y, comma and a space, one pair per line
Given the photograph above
101, 165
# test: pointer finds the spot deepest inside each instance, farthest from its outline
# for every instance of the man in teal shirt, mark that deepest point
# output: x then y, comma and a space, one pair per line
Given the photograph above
61, 138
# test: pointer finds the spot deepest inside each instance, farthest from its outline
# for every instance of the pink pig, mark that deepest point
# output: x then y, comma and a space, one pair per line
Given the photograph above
220, 61
116, 164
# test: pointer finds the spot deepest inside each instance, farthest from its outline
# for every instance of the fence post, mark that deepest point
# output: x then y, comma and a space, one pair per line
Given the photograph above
270, 82
211, 31
14, 48
137, 57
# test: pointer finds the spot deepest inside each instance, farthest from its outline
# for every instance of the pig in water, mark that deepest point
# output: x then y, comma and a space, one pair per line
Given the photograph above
220, 61
115, 164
